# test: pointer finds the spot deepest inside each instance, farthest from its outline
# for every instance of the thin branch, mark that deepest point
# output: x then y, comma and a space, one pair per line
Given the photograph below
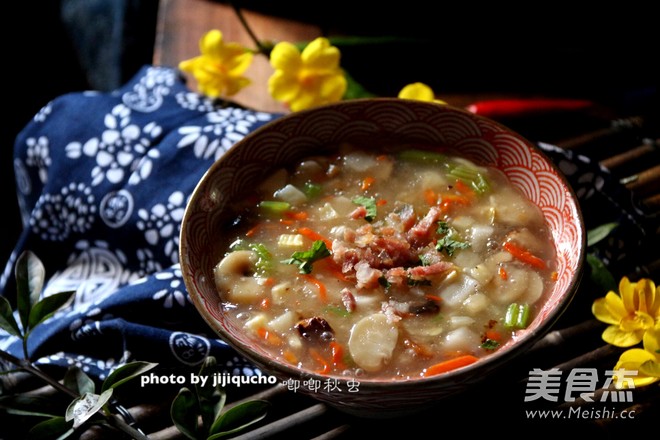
239, 13
26, 365
112, 419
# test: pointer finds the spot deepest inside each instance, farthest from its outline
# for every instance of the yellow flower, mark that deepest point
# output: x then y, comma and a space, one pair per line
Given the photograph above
420, 92
220, 67
645, 361
632, 312
307, 79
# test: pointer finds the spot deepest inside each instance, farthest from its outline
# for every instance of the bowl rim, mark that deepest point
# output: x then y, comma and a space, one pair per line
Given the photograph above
490, 362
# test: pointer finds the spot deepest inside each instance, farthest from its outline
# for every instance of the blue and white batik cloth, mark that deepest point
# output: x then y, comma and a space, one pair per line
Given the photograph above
103, 180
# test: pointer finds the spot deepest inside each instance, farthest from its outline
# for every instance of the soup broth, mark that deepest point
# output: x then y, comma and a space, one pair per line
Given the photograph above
396, 265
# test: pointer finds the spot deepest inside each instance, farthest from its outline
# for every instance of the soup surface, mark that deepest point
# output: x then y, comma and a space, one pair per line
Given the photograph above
401, 264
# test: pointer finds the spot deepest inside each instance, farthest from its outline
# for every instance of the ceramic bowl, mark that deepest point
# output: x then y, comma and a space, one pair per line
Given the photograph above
283, 141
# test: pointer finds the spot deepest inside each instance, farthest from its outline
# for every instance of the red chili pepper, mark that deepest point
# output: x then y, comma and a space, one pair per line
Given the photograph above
504, 108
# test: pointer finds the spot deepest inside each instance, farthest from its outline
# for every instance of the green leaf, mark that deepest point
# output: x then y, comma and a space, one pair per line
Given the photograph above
55, 428
27, 405
304, 259
125, 373
85, 406
354, 89
345, 41
30, 277
184, 413
600, 274
45, 308
599, 233
76, 380
369, 204
238, 418
7, 321
211, 399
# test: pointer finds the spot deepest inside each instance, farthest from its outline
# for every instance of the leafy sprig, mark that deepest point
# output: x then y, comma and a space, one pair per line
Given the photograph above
80, 403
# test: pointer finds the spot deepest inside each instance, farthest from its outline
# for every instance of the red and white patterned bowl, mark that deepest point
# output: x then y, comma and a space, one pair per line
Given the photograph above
293, 136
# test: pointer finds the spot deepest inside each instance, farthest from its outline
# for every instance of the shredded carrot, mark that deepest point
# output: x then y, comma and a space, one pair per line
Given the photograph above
493, 334
555, 276
259, 227
290, 357
252, 231
433, 297
313, 235
337, 354
430, 196
269, 336
502, 273
325, 366
455, 199
462, 188
382, 157
524, 255
381, 202
367, 182
448, 201
333, 268
296, 215
450, 364
323, 291
419, 349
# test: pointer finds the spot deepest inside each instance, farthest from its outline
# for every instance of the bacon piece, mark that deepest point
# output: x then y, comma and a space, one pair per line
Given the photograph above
423, 230
367, 277
348, 299
433, 269
359, 212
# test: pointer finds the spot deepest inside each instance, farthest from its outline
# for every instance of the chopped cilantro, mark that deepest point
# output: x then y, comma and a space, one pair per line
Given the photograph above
369, 204
304, 259
339, 311
490, 344
448, 243
417, 282
383, 282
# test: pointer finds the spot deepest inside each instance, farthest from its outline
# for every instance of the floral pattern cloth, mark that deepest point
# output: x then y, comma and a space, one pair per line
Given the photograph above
103, 180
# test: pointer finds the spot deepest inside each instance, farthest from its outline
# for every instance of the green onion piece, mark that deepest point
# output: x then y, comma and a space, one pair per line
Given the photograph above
339, 311
523, 316
470, 176
311, 190
517, 316
511, 316
274, 206
480, 185
264, 258
425, 156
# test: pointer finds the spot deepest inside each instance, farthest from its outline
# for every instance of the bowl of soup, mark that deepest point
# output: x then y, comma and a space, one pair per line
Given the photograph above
382, 253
